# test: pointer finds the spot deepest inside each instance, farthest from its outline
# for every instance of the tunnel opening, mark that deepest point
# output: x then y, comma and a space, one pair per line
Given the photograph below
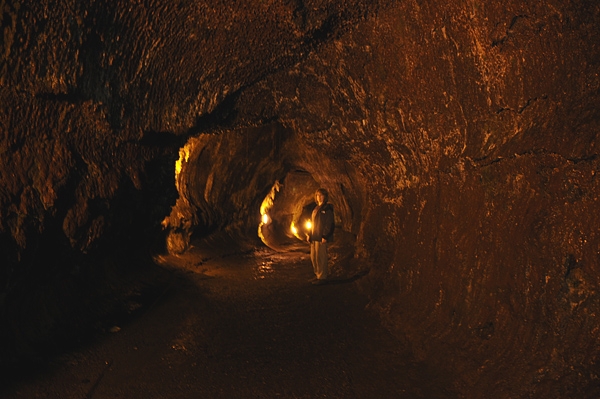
283, 212
222, 179
254, 187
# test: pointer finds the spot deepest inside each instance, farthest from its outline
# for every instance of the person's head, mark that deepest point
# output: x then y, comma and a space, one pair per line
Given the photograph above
321, 196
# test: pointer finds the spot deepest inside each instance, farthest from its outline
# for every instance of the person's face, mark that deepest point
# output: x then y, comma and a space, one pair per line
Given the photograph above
320, 198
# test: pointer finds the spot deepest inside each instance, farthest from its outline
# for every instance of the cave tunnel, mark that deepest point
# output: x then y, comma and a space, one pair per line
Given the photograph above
264, 190
457, 142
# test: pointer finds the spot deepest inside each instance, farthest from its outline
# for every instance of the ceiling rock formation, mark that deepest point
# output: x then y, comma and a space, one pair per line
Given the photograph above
458, 142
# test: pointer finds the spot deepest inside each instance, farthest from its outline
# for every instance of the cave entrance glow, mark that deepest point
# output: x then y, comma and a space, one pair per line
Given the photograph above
285, 211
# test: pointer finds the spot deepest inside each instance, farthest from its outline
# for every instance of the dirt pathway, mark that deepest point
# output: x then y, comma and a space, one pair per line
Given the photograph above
243, 326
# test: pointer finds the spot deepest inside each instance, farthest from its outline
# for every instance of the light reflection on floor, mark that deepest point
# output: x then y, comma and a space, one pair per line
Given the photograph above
264, 269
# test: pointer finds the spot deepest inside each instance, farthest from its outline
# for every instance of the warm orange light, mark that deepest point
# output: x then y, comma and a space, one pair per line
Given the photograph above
265, 207
294, 229
308, 225
184, 157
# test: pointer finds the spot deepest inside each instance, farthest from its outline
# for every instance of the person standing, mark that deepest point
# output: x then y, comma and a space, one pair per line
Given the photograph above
321, 235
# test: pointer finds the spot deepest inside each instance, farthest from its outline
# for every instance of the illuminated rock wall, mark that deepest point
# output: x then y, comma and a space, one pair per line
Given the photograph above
459, 140
474, 133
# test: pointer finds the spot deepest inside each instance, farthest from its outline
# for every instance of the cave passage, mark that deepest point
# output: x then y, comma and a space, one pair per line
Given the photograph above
286, 212
457, 141
240, 195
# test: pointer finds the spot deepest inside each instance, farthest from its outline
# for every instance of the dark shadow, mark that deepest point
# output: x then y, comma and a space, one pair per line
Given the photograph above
344, 280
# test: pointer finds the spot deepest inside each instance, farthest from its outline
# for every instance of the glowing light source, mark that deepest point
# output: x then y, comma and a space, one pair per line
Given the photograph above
184, 157
266, 205
308, 225
294, 229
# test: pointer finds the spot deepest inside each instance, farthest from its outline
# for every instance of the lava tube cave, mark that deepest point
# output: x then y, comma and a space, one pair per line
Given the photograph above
155, 151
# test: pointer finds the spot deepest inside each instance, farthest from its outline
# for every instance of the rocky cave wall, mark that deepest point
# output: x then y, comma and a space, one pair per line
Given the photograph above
461, 137
473, 130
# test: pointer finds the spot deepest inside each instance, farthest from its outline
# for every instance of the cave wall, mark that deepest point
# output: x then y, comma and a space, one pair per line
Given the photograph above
473, 129
461, 137
221, 181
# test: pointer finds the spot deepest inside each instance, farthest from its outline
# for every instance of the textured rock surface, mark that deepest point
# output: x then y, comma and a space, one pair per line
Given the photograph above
458, 142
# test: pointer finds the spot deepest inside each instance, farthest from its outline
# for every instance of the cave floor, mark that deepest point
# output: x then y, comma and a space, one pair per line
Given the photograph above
239, 326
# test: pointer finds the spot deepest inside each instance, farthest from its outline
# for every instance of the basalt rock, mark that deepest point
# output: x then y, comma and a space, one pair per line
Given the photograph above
458, 143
